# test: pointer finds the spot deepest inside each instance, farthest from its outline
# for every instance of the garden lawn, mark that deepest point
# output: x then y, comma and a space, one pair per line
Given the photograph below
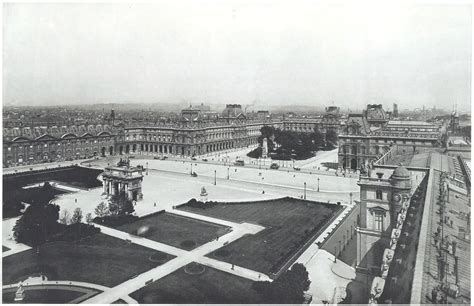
178, 231
13, 193
289, 223
41, 296
210, 287
98, 259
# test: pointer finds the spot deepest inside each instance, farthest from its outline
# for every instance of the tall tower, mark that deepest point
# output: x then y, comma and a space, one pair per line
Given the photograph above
381, 195
395, 110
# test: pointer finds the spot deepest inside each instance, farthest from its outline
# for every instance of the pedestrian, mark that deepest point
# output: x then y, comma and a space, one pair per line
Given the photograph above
232, 267
263, 191
154, 204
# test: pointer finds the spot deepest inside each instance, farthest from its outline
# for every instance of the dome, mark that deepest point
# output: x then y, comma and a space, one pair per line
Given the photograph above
401, 172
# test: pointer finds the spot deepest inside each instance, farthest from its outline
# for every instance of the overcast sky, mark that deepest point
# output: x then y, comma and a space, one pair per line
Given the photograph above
237, 52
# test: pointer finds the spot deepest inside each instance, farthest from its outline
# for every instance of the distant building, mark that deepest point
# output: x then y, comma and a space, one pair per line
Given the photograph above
366, 137
263, 114
395, 110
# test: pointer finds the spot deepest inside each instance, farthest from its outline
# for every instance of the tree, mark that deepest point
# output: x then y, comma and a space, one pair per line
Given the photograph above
37, 224
65, 218
331, 137
89, 218
120, 204
287, 289
101, 210
76, 216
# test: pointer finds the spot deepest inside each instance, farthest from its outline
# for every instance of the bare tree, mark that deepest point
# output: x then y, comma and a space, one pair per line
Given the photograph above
65, 218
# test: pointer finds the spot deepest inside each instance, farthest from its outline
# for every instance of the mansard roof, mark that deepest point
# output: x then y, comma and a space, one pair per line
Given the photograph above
56, 132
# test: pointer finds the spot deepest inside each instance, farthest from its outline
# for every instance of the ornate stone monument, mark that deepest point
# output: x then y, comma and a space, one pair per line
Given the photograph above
20, 293
203, 194
123, 178
265, 147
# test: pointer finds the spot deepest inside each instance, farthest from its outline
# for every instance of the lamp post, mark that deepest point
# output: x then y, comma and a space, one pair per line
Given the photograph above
227, 172
318, 184
215, 177
191, 168
146, 168
305, 190
350, 195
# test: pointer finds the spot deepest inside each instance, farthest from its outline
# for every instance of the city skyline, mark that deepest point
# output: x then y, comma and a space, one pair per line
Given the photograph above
66, 54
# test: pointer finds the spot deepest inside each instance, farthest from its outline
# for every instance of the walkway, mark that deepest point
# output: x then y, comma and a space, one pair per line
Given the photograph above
68, 285
182, 257
8, 240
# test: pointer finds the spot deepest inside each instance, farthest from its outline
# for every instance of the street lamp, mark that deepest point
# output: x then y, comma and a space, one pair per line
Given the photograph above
146, 168
227, 172
305, 190
318, 184
350, 195
215, 177
191, 168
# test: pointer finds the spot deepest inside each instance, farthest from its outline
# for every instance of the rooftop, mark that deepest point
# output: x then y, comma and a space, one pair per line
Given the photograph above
400, 122
456, 228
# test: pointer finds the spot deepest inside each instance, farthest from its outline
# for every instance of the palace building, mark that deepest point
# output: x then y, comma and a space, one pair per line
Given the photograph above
367, 136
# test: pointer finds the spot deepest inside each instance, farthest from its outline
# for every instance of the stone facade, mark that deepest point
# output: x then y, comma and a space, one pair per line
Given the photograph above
368, 136
381, 195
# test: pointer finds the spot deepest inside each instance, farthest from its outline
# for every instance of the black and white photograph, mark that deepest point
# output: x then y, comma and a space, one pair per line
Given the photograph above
236, 152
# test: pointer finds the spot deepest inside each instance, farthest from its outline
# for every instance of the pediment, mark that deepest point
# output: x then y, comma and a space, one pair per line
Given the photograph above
20, 139
45, 137
69, 136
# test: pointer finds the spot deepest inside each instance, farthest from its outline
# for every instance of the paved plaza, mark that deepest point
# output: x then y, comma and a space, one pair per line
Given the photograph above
168, 183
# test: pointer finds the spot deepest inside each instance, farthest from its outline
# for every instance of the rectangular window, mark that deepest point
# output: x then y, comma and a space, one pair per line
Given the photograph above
378, 193
378, 221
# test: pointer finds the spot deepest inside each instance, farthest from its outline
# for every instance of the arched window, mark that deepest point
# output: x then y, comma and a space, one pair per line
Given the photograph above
378, 195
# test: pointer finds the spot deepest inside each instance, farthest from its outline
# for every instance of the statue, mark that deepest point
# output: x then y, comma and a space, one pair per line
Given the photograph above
264, 148
203, 194
20, 293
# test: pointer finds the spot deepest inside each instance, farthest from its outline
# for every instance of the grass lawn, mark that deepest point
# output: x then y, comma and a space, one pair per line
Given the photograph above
289, 224
4, 248
14, 193
175, 230
98, 259
41, 296
211, 287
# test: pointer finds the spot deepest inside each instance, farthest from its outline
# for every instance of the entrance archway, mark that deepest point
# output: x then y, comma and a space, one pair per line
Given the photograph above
353, 164
111, 150
103, 151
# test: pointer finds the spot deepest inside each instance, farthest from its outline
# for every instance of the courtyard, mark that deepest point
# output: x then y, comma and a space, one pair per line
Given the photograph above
209, 287
175, 230
257, 237
289, 224
98, 259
